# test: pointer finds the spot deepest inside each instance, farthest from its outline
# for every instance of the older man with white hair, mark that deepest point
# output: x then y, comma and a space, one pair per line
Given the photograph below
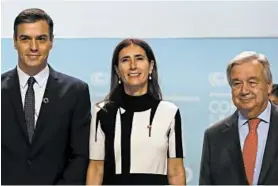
242, 149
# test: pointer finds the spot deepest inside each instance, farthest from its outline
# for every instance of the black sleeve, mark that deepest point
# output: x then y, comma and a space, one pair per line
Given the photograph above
75, 172
205, 177
175, 149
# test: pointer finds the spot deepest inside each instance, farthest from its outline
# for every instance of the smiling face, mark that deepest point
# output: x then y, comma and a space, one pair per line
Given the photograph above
33, 44
134, 69
250, 88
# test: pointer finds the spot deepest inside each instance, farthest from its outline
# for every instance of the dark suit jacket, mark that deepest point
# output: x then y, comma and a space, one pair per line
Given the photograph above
59, 151
222, 162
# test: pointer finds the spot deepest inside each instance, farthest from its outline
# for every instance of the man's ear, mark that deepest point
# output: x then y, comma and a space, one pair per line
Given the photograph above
270, 85
51, 41
15, 40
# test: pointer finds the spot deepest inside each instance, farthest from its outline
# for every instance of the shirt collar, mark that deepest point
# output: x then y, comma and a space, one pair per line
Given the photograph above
264, 116
40, 77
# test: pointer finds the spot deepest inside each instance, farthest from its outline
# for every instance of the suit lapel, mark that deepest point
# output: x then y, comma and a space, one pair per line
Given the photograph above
49, 102
16, 100
231, 132
270, 152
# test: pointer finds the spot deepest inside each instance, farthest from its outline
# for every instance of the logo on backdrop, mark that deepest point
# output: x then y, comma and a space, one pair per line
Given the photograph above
217, 79
100, 79
221, 104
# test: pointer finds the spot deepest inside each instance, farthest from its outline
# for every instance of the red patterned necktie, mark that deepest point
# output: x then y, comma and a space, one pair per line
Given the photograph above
250, 149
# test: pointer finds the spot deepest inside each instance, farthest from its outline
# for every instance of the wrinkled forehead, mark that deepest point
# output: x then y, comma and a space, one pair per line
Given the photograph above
247, 70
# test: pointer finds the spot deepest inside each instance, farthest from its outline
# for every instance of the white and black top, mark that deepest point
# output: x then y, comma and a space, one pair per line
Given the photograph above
134, 137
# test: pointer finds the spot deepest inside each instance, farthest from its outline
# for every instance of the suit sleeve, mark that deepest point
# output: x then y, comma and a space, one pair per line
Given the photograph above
205, 174
75, 171
175, 148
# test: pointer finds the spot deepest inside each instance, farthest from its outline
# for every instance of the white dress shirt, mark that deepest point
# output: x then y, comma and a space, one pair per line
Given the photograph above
262, 130
39, 87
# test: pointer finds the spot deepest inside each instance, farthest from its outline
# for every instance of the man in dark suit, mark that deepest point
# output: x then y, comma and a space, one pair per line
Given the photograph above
274, 94
45, 114
243, 148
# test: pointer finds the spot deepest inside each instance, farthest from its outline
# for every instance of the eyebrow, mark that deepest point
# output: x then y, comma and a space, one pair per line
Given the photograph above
233, 80
251, 78
137, 55
39, 36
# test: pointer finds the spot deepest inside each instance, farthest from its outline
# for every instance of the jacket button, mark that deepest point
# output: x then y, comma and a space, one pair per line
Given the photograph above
29, 162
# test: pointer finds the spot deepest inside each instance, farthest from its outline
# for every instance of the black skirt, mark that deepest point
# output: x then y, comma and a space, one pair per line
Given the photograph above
135, 179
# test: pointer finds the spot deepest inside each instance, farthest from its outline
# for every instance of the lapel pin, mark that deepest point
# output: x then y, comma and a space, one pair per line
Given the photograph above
45, 100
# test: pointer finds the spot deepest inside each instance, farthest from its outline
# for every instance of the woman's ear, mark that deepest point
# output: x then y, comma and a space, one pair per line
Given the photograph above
151, 66
117, 70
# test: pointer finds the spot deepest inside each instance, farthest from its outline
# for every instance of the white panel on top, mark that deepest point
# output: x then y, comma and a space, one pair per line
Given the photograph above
152, 19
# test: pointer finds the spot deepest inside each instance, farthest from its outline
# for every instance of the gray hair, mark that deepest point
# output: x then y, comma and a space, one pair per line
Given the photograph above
249, 56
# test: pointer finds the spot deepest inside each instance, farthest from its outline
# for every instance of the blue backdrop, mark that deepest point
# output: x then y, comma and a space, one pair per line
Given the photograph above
191, 73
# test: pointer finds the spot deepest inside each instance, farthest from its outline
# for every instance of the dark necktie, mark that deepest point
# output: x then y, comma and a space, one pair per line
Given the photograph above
29, 108
250, 149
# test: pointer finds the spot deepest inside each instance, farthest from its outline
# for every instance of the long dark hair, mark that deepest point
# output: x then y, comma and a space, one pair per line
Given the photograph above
116, 89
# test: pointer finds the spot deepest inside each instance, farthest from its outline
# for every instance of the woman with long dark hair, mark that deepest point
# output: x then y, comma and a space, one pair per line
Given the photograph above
136, 137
